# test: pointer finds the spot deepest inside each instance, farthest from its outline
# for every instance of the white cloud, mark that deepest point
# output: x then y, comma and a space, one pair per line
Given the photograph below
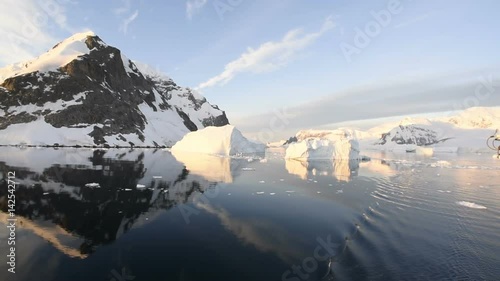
26, 28
126, 5
127, 21
269, 56
194, 6
125, 14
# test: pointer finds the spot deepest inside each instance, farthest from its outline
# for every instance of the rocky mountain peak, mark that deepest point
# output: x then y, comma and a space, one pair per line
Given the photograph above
92, 94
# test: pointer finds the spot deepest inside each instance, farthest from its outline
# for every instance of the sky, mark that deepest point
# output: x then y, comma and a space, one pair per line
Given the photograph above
283, 65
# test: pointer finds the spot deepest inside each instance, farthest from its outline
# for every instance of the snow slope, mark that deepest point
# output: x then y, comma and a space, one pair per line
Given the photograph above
60, 55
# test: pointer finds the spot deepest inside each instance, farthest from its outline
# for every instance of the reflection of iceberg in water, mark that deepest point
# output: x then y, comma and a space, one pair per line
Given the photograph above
212, 168
377, 168
340, 169
57, 204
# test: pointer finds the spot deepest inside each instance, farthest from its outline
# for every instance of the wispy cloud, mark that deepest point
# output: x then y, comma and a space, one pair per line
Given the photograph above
127, 21
25, 28
124, 8
125, 14
269, 56
194, 6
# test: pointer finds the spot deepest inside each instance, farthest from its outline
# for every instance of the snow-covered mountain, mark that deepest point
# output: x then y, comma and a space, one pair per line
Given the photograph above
85, 92
476, 118
420, 135
465, 131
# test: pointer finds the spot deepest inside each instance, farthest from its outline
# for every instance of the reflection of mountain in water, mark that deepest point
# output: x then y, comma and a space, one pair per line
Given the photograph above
59, 202
342, 170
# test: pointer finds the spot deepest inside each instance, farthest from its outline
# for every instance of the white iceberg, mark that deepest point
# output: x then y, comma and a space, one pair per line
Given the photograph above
222, 141
341, 146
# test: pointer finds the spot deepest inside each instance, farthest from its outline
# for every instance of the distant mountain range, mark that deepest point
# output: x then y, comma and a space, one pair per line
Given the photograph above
465, 131
85, 92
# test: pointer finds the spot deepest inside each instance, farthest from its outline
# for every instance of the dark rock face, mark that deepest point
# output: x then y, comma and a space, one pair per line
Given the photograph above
411, 134
217, 121
291, 140
101, 89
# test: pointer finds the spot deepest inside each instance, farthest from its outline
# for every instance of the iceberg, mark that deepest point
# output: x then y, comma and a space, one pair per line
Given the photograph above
221, 141
340, 147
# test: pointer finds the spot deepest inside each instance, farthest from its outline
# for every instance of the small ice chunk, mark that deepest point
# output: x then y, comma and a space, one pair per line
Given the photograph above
471, 205
263, 160
141, 186
157, 177
92, 185
248, 169
262, 181
260, 193
272, 193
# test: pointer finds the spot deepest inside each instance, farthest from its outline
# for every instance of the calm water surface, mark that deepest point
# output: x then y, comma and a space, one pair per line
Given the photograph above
120, 215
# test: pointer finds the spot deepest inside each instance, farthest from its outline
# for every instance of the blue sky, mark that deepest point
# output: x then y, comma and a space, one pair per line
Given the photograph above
254, 57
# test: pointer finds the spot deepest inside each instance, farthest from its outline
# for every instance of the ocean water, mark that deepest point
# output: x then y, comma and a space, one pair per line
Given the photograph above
122, 215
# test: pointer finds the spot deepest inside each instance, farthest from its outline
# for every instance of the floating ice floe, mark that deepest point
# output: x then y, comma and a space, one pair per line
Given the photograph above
259, 193
248, 169
223, 141
471, 205
140, 186
92, 185
157, 177
442, 164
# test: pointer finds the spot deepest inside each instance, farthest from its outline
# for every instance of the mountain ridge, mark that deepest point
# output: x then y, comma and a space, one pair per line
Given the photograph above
86, 92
